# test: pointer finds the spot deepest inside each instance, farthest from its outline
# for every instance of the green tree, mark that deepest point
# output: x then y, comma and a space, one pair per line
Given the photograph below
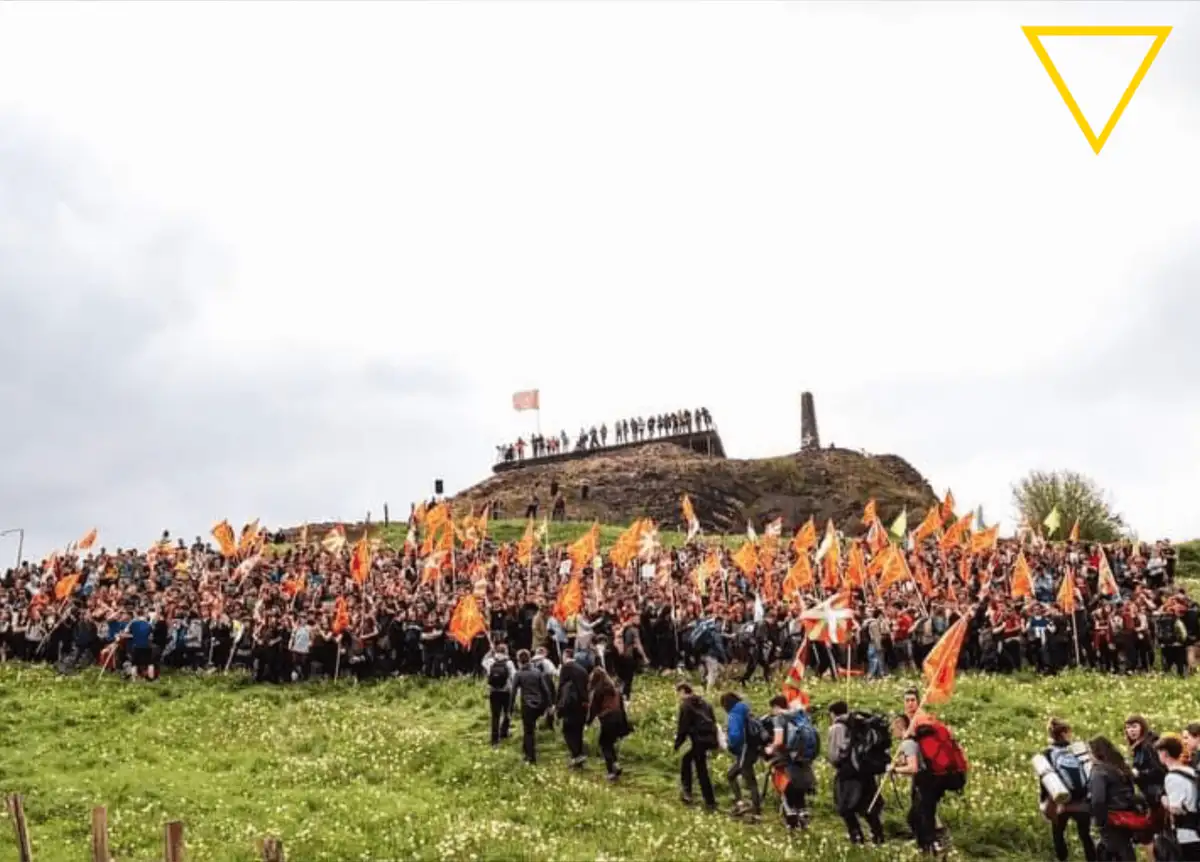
1077, 498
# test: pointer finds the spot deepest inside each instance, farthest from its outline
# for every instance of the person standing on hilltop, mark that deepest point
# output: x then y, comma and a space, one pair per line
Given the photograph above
650, 427
603, 434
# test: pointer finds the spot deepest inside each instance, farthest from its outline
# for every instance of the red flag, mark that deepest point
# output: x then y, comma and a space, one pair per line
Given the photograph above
792, 690
527, 400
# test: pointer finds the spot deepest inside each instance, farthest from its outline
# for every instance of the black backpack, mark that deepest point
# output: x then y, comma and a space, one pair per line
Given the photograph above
1165, 630
498, 675
870, 749
757, 734
568, 696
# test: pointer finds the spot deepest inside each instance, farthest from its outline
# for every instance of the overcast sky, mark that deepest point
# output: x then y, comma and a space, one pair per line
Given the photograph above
292, 260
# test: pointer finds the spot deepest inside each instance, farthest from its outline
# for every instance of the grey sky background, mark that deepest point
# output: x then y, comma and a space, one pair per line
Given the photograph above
294, 281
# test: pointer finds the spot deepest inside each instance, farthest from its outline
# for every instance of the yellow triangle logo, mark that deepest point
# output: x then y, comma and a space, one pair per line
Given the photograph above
1035, 34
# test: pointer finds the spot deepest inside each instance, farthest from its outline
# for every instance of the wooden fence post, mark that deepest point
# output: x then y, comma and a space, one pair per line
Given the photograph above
173, 841
16, 809
272, 849
100, 834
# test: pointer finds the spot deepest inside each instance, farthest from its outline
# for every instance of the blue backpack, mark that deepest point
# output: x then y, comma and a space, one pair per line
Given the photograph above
1070, 770
801, 738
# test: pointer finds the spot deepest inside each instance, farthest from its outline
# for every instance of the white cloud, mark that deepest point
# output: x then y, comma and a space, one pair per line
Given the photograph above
638, 206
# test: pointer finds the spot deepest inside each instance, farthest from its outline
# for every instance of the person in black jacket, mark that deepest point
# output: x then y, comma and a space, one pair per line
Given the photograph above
572, 706
534, 691
1148, 771
1110, 789
698, 724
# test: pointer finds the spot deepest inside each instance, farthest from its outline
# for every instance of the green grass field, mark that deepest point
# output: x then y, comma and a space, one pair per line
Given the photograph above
402, 770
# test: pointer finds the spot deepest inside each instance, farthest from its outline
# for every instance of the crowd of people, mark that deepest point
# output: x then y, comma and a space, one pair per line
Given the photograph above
582, 624
624, 431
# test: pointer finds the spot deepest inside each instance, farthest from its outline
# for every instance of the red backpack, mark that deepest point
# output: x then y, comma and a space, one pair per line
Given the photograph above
942, 754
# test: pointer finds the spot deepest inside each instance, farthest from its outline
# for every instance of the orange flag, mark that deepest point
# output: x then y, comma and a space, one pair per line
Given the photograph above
895, 569
583, 550
877, 536
931, 524
248, 538
1066, 593
806, 537
525, 546
466, 622
223, 533
570, 599
941, 666
1022, 579
341, 616
856, 566
768, 585
964, 567
948, 506
746, 559
922, 578
869, 517
360, 560
1074, 537
985, 540
799, 577
831, 579
437, 517
433, 565
951, 596
957, 531
1107, 584
64, 588
89, 539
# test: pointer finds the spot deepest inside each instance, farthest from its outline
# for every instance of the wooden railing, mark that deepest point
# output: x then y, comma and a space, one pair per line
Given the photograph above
173, 844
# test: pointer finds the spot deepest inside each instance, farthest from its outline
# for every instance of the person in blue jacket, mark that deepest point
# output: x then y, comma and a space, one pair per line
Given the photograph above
744, 744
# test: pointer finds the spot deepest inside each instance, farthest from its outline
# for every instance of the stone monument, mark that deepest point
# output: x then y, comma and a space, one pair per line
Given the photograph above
809, 437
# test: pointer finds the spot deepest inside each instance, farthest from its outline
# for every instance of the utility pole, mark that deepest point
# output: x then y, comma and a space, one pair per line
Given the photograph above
20, 531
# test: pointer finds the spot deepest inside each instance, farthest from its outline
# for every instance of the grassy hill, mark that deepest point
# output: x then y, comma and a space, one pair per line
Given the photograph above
726, 493
401, 770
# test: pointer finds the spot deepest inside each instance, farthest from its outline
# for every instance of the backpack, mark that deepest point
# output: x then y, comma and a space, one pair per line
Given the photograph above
942, 754
568, 696
499, 675
800, 737
757, 734
701, 636
1165, 630
704, 727
870, 743
1070, 770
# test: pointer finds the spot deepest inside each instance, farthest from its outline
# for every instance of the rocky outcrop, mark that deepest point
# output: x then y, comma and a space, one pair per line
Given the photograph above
726, 493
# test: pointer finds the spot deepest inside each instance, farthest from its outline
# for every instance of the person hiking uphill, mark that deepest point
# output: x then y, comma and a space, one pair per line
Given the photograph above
1118, 812
859, 751
572, 706
1070, 770
744, 737
1182, 800
532, 687
608, 707
933, 759
499, 672
696, 724
794, 746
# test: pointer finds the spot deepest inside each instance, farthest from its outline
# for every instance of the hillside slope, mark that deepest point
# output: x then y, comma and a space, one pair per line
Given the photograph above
829, 483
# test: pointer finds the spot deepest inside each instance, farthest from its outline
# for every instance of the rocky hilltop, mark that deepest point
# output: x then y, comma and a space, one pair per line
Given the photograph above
647, 481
